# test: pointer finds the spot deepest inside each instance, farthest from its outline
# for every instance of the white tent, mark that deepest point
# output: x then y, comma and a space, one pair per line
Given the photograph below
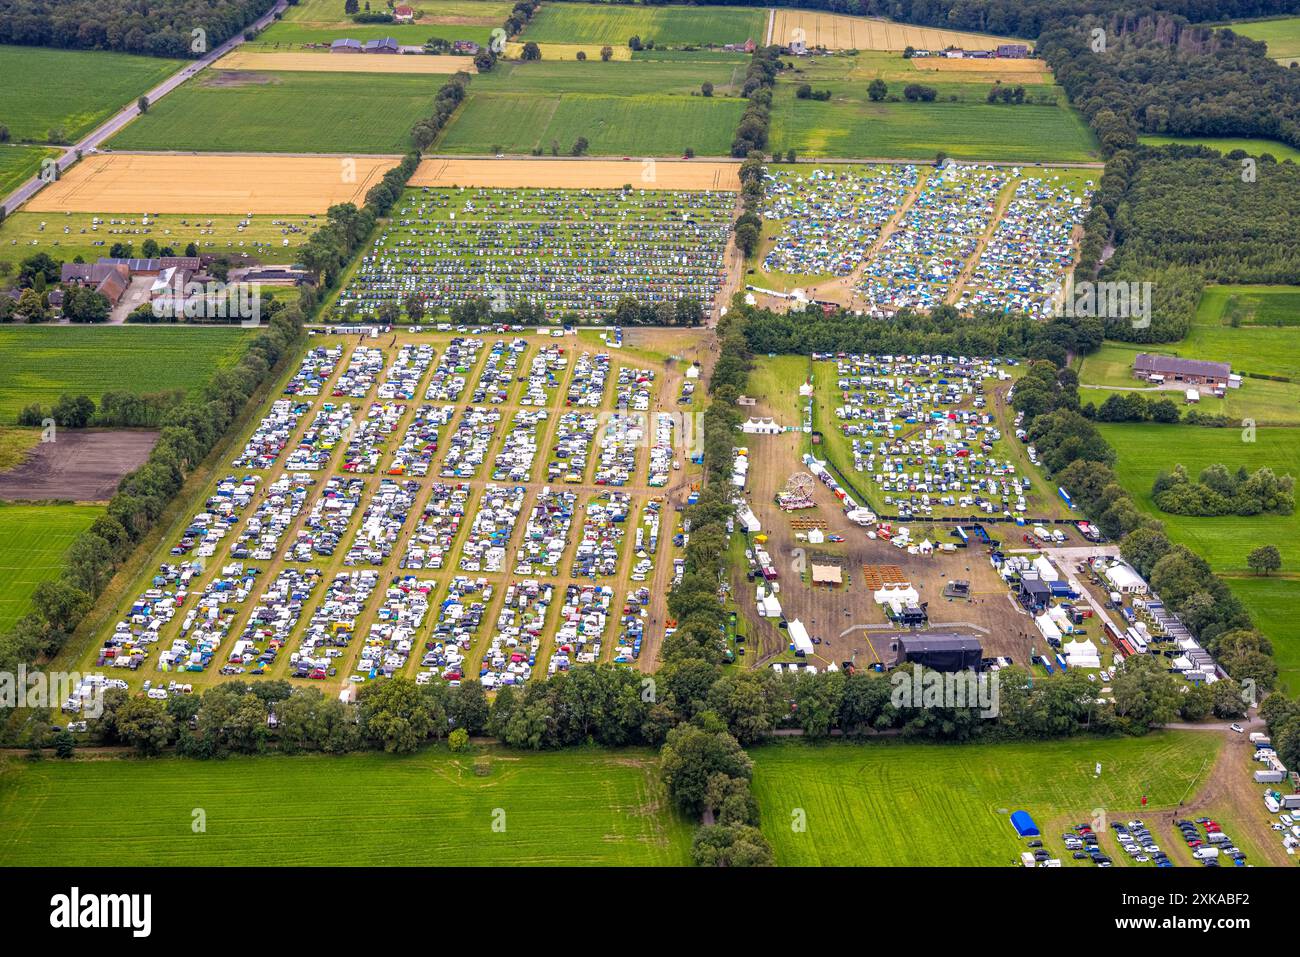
906, 595
1046, 570
1048, 627
1081, 654
799, 635
760, 427
769, 606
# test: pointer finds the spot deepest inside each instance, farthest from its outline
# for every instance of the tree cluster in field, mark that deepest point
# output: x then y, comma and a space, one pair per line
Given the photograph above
760, 77
804, 91
449, 96
1135, 407
189, 431
1220, 491
117, 409
160, 28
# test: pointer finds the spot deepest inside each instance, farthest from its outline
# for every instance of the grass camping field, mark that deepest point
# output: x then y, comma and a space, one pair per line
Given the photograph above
285, 112
35, 538
65, 236
94, 359
1281, 35
71, 91
849, 125
666, 26
431, 808
896, 804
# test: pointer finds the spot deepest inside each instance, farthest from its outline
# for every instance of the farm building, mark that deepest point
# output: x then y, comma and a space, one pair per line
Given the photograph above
942, 651
1012, 51
345, 46
109, 279
386, 45
1156, 368
403, 14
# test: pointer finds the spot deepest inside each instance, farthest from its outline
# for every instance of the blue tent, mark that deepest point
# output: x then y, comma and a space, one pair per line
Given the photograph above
1024, 824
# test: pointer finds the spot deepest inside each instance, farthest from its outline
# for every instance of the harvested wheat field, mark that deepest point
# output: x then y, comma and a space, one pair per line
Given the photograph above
578, 174
837, 32
570, 51
334, 63
1017, 69
163, 183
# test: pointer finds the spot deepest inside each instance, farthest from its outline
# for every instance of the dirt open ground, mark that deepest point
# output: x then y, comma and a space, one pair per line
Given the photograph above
213, 184
837, 32
334, 63
544, 172
78, 466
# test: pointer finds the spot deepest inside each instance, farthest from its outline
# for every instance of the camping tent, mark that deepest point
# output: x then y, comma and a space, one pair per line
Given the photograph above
1024, 824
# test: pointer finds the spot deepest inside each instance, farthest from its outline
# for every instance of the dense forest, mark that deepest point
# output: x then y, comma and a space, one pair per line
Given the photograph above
153, 27
1159, 74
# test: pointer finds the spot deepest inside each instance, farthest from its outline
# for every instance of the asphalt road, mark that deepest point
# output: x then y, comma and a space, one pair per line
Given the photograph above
114, 123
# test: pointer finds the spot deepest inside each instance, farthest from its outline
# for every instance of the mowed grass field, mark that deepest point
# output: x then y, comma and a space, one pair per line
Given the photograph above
286, 113
65, 236
33, 539
849, 125
902, 804
1282, 36
18, 164
613, 125
637, 107
72, 90
666, 26
1225, 145
428, 809
43, 362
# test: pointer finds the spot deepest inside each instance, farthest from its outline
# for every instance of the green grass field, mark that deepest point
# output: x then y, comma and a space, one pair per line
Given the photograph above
676, 77
72, 90
613, 125
1282, 36
896, 804
65, 236
286, 113
677, 26
429, 809
43, 362
18, 164
852, 128
1273, 602
35, 538
1225, 145
322, 21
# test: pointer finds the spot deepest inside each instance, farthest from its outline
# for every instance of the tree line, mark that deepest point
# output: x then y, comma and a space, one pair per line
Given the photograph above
760, 78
